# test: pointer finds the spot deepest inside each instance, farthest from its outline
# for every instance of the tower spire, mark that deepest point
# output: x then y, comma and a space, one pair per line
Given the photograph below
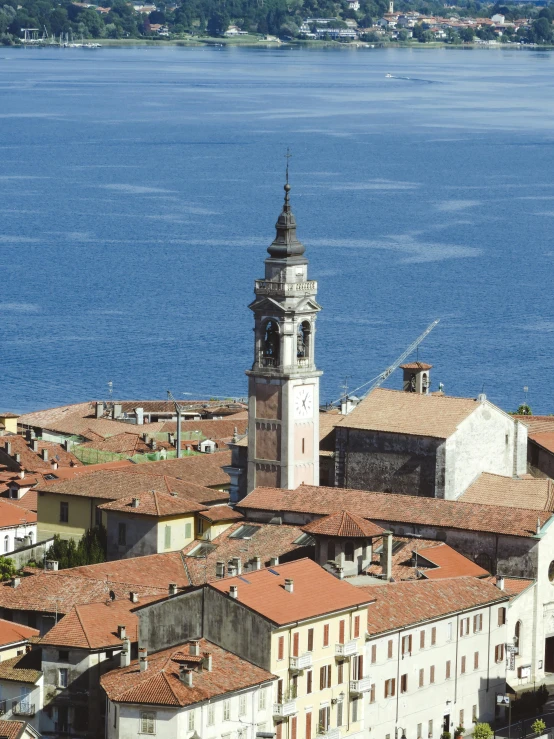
286, 243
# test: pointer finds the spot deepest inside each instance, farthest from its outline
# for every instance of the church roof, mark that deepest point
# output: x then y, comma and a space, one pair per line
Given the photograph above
343, 523
416, 366
286, 243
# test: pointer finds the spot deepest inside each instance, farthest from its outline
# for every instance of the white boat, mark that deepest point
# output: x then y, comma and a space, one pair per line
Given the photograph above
388, 75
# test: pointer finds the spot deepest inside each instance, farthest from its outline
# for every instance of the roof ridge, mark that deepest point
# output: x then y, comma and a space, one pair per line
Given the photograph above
82, 626
166, 678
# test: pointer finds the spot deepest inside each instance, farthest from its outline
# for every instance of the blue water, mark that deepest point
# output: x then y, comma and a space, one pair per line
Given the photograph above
139, 188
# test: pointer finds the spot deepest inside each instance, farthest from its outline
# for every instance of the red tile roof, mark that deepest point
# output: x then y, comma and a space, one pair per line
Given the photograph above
160, 684
12, 729
513, 586
448, 563
25, 668
416, 366
32, 461
202, 469
151, 503
221, 513
315, 592
14, 515
393, 508
344, 524
12, 633
544, 439
537, 424
531, 493
401, 604
211, 429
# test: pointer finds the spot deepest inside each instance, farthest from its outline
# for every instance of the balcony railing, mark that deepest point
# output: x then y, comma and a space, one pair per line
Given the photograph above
304, 662
348, 649
267, 287
23, 708
303, 361
284, 709
360, 686
329, 733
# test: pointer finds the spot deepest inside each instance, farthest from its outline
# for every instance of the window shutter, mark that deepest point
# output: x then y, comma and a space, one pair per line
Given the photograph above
373, 654
293, 728
356, 627
421, 678
422, 640
360, 666
339, 713
432, 674
410, 644
310, 641
279, 691
279, 731
341, 631
448, 670
309, 725
433, 636
167, 537
340, 673
389, 649
461, 627
476, 661
463, 665
393, 686
328, 676
321, 678
326, 635
372, 693
322, 718
281, 649
295, 644
309, 676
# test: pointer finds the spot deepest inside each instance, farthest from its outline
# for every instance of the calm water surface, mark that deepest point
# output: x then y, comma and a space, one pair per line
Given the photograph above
139, 189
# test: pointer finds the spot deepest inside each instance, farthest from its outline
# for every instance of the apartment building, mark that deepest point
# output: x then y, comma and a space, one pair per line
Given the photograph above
435, 655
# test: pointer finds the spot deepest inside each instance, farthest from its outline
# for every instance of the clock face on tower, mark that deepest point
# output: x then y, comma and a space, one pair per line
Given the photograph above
303, 401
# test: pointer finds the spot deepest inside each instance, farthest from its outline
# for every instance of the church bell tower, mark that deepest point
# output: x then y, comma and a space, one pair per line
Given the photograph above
283, 384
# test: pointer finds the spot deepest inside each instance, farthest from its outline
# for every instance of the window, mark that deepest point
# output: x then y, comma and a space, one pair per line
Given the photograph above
63, 724
421, 678
261, 700
188, 531
63, 655
419, 730
293, 722
211, 714
464, 626
448, 670
461, 717
355, 710
463, 666
358, 667
191, 720
422, 639
406, 645
432, 674
474, 714
122, 534
356, 627
294, 686
340, 673
326, 635
64, 512
310, 640
63, 673
147, 722
309, 681
201, 550
281, 648
476, 661
242, 705
517, 636
167, 537
246, 531
279, 731
390, 688
331, 550
499, 653
325, 677
349, 551
373, 654
430, 730
389, 649
449, 631
6, 543
280, 691
308, 724
226, 710
477, 623
303, 445
339, 713
324, 717
296, 644
501, 616
341, 631
372, 693
404, 683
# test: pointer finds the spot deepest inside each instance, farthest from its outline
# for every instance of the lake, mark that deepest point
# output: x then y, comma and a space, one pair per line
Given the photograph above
139, 188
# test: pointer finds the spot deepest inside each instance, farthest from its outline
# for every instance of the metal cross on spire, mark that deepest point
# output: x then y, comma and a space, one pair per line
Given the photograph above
288, 155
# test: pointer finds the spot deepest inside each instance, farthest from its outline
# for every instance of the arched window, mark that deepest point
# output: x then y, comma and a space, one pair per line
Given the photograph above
484, 561
425, 381
303, 340
331, 550
6, 543
349, 551
517, 636
270, 344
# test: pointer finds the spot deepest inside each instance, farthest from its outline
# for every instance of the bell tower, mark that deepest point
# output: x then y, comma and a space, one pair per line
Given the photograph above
283, 384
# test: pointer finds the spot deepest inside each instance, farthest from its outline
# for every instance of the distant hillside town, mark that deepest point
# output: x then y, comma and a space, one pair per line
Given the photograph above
274, 568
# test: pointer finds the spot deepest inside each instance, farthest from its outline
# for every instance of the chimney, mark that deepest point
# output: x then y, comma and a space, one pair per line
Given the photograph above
52, 564
135, 503
185, 675
17, 458
145, 436
21, 474
237, 564
134, 597
153, 443
44, 454
207, 661
234, 591
54, 464
143, 659
386, 556
500, 582
34, 445
125, 655
340, 572
28, 435
99, 409
121, 632
140, 416
289, 585
195, 648
274, 561
257, 563
481, 397
67, 445
171, 439
172, 588
117, 410
220, 568
231, 569
8, 448
15, 582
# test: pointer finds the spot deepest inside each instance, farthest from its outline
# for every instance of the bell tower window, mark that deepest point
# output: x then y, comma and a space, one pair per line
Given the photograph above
303, 342
270, 345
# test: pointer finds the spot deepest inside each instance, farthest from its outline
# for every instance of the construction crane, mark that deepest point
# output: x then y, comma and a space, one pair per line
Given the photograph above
380, 379
178, 410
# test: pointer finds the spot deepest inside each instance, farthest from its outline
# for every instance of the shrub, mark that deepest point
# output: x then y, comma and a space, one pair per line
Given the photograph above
482, 731
7, 568
538, 726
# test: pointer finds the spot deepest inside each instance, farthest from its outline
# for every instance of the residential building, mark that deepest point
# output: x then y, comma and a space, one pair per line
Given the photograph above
14, 639
17, 730
18, 527
196, 688
430, 445
435, 656
34, 455
309, 631
22, 688
8, 422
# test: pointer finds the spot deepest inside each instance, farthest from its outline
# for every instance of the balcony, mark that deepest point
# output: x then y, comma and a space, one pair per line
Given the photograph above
348, 649
266, 287
357, 687
330, 733
304, 662
23, 708
284, 709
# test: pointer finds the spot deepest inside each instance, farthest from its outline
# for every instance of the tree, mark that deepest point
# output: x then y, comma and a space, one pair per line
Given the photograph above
524, 410
466, 34
543, 29
91, 549
482, 731
218, 23
7, 568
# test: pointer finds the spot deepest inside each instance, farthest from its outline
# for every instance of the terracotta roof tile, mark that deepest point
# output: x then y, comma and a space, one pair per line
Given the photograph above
513, 586
201, 469
411, 602
497, 490
545, 439
151, 503
398, 412
392, 508
416, 366
221, 513
160, 683
345, 524
209, 428
28, 501
23, 669
11, 632
14, 515
31, 461
12, 729
537, 424
315, 592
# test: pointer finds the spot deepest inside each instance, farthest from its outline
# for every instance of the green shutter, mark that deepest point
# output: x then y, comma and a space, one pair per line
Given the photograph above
167, 537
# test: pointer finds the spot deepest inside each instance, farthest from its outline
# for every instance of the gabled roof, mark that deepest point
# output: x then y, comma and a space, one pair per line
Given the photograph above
25, 668
447, 563
398, 412
14, 515
151, 503
315, 592
201, 469
531, 493
513, 586
343, 524
416, 366
12, 729
13, 633
223, 428
393, 508
544, 439
401, 604
31, 461
160, 685
537, 424
221, 513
